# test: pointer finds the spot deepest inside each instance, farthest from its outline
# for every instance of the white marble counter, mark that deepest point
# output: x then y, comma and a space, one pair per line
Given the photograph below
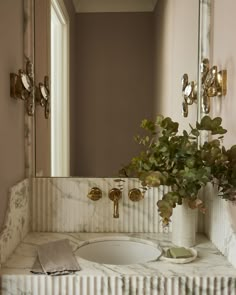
210, 273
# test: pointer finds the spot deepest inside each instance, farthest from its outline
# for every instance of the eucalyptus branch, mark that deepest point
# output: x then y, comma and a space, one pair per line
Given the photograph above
175, 160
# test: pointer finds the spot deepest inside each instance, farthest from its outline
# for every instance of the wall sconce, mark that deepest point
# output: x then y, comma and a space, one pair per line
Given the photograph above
213, 83
42, 96
189, 92
22, 87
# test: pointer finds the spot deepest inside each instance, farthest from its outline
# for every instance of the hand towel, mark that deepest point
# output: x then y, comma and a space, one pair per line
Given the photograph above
55, 258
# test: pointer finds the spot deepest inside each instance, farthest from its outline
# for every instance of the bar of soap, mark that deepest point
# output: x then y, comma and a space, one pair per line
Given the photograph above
168, 255
180, 252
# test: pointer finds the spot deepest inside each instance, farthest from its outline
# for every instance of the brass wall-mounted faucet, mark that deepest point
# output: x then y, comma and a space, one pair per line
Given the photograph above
95, 194
115, 196
136, 195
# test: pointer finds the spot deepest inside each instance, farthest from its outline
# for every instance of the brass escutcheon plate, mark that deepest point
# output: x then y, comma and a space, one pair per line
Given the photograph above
95, 194
135, 195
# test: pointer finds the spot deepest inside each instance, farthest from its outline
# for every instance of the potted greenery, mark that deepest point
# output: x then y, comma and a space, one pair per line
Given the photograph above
178, 161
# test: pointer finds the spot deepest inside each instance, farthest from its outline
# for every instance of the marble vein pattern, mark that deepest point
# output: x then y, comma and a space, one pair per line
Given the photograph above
205, 28
210, 273
62, 205
16, 224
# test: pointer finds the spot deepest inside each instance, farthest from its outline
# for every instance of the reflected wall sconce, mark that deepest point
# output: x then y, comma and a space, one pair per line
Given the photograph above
189, 92
22, 87
42, 96
213, 83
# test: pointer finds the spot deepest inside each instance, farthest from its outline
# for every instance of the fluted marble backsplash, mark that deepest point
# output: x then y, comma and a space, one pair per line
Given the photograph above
61, 205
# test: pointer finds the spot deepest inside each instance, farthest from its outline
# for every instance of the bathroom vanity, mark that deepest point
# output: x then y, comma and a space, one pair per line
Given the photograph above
210, 273
47, 211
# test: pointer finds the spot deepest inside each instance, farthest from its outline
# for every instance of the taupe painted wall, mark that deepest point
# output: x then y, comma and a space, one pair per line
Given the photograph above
11, 111
223, 50
176, 53
114, 79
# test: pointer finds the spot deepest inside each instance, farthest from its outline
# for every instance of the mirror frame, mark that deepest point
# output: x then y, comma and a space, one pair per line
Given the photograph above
28, 41
204, 33
203, 51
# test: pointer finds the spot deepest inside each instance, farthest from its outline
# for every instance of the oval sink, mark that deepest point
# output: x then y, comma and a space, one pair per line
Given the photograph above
119, 251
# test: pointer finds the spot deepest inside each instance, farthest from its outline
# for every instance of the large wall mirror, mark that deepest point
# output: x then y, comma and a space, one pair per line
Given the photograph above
119, 64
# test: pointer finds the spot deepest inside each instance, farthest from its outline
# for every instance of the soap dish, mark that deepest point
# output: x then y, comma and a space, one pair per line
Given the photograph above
181, 260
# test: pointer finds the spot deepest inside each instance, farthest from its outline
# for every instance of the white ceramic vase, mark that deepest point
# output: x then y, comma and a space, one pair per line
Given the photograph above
184, 221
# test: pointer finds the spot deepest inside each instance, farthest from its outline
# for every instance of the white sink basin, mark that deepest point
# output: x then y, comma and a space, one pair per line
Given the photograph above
119, 250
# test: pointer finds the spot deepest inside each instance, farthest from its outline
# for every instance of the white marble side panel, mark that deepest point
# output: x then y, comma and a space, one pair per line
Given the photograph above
61, 205
217, 225
16, 224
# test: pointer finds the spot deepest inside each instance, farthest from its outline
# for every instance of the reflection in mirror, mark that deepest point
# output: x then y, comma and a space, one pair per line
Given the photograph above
126, 64
43, 91
25, 81
42, 96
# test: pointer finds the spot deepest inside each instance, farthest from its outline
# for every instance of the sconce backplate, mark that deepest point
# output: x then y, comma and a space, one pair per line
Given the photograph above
222, 81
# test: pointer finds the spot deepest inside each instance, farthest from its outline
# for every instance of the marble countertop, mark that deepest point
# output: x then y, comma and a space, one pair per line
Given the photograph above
210, 262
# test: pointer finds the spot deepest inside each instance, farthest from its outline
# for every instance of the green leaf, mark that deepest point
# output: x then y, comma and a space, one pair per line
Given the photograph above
174, 160
205, 123
195, 132
216, 122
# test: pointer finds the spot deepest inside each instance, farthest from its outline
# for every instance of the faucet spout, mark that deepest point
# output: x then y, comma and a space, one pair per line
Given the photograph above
115, 196
116, 208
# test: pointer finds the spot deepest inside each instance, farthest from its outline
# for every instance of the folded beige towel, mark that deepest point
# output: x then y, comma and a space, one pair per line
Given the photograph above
55, 258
